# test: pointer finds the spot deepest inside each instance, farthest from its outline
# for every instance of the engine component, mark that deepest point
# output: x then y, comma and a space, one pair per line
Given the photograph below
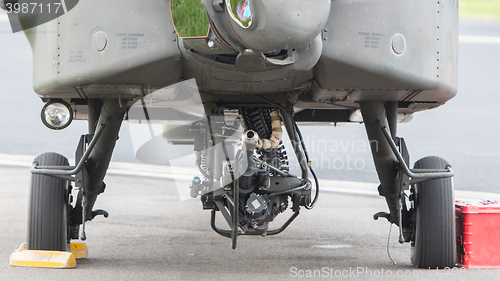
264, 180
256, 204
267, 124
253, 187
247, 179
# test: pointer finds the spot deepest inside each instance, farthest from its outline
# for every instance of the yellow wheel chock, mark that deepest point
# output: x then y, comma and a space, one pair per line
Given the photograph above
79, 250
49, 259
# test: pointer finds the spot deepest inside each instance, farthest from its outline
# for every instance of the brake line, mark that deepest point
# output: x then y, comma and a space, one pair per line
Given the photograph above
313, 203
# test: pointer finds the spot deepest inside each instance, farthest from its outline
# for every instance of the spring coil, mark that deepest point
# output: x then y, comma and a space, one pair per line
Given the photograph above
245, 182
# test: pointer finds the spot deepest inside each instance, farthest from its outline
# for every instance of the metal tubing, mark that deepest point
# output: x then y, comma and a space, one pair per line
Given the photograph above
236, 203
53, 168
416, 173
229, 198
222, 232
288, 190
275, 170
56, 171
391, 109
225, 213
227, 233
250, 140
284, 226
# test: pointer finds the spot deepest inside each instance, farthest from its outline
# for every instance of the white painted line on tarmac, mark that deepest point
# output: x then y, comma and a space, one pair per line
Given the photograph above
481, 40
183, 173
4, 18
115, 168
16, 160
330, 247
348, 187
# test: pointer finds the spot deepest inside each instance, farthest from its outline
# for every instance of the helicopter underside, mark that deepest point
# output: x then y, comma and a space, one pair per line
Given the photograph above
357, 69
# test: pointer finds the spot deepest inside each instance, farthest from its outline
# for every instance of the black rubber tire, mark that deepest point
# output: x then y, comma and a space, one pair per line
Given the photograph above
434, 219
48, 208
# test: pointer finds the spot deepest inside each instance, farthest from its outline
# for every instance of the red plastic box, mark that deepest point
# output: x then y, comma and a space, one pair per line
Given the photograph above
478, 234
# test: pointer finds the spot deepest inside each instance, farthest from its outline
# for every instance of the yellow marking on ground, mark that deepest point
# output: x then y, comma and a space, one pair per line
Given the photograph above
79, 250
50, 259
37, 263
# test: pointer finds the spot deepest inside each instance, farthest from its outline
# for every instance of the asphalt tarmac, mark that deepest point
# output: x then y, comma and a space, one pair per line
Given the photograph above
152, 235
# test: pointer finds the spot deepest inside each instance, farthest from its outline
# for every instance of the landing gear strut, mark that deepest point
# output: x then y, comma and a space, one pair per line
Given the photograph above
53, 171
429, 222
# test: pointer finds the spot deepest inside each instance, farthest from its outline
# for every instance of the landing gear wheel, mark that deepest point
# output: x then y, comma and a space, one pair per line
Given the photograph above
433, 245
48, 208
